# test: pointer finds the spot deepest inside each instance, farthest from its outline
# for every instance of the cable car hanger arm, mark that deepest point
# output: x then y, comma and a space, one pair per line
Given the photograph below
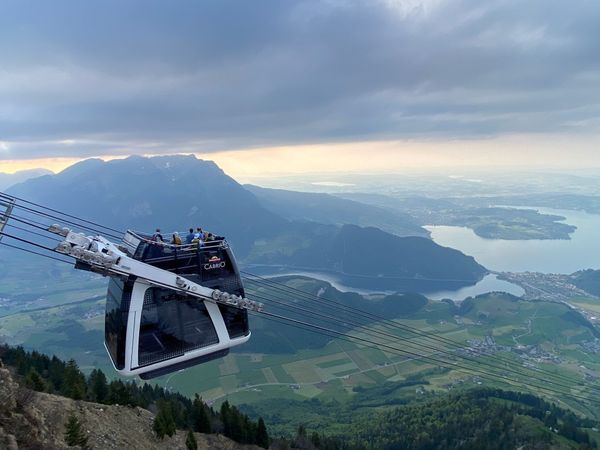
107, 258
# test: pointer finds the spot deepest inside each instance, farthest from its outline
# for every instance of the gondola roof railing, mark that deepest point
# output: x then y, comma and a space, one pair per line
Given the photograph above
138, 243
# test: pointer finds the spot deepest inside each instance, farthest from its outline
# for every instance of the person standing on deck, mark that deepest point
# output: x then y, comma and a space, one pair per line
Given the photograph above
157, 237
190, 237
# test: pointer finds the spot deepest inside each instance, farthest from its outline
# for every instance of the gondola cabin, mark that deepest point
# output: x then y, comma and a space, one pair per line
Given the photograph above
152, 330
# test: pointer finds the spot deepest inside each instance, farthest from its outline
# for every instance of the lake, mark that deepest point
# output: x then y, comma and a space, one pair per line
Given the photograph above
488, 283
582, 251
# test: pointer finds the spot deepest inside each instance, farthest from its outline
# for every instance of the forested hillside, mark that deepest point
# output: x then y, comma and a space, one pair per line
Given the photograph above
489, 419
476, 419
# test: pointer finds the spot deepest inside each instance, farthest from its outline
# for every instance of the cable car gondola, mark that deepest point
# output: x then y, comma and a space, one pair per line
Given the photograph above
168, 307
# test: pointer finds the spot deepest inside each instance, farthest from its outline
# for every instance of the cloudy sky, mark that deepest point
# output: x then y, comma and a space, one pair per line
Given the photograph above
253, 83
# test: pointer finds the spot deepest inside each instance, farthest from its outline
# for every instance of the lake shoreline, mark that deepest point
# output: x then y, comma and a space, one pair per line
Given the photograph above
488, 283
536, 255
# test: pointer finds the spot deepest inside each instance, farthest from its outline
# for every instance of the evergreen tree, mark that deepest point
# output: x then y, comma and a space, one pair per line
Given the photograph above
119, 394
190, 441
164, 423
301, 430
262, 437
56, 369
315, 439
74, 385
225, 414
97, 386
236, 425
74, 434
34, 381
200, 416
301, 441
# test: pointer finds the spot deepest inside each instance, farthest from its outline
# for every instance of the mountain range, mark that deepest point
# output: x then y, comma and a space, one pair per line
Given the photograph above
9, 179
330, 209
324, 233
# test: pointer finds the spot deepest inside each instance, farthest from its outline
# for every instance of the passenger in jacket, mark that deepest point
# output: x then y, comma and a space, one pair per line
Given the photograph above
190, 237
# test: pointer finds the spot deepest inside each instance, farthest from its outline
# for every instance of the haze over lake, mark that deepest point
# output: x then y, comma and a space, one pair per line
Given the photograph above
582, 251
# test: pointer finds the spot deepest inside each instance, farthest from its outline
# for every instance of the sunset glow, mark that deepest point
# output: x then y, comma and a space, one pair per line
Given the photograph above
525, 151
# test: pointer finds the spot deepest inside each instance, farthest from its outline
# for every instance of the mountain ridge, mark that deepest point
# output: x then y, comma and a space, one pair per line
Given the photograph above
177, 192
9, 179
331, 209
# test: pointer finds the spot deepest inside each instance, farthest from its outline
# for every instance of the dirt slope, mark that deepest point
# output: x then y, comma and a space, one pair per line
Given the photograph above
34, 420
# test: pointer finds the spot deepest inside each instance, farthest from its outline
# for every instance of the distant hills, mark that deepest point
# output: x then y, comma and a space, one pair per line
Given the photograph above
370, 258
478, 213
9, 179
177, 192
330, 209
588, 280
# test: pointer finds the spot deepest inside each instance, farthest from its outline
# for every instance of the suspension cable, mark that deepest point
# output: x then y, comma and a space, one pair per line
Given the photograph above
394, 338
33, 232
70, 222
35, 253
430, 358
387, 322
65, 214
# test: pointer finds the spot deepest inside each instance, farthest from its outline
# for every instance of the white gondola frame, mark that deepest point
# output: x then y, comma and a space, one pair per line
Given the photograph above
132, 340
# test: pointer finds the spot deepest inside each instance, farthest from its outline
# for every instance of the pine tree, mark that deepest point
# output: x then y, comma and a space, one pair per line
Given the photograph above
74, 381
118, 393
74, 434
315, 439
97, 386
237, 431
225, 414
200, 417
190, 441
301, 441
164, 423
262, 437
34, 381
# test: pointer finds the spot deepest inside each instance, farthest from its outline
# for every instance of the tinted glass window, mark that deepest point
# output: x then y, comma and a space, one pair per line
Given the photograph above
171, 325
236, 320
118, 300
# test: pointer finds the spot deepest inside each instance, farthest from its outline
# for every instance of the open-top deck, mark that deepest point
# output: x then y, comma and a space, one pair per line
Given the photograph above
208, 263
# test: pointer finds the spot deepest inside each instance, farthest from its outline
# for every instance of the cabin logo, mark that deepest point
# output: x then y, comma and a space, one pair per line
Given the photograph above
214, 262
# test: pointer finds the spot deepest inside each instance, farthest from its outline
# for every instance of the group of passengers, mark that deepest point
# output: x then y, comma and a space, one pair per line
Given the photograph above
196, 239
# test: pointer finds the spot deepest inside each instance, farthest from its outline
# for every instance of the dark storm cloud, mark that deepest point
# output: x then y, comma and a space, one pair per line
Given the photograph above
83, 78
